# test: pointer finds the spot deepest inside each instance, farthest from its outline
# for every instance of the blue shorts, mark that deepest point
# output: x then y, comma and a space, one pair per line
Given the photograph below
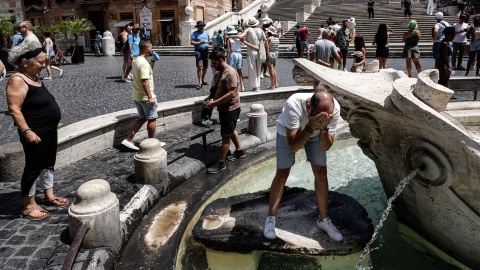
145, 110
235, 60
475, 45
286, 158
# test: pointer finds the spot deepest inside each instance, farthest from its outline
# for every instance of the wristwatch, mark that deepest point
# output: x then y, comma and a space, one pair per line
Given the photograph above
325, 130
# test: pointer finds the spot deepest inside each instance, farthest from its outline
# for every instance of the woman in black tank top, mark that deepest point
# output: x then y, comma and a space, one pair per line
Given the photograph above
36, 114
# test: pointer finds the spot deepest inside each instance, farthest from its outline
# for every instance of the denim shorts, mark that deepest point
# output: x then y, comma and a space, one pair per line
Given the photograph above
145, 110
305, 45
286, 158
228, 122
475, 46
235, 60
436, 50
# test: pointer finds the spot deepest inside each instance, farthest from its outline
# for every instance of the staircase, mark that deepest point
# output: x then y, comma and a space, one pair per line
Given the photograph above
391, 14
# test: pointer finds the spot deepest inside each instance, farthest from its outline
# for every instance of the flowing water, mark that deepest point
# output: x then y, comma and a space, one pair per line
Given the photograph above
349, 172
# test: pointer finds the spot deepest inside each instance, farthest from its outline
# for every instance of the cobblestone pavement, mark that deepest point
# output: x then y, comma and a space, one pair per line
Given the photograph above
95, 87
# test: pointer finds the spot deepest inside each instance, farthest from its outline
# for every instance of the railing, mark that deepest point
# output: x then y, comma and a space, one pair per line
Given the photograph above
74, 247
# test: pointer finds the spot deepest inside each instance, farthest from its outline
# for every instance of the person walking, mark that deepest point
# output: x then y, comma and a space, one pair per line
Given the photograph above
143, 32
36, 114
430, 7
305, 47
200, 39
234, 54
310, 122
220, 38
459, 42
26, 29
342, 41
227, 101
16, 38
297, 42
470, 9
381, 40
438, 35
411, 51
474, 34
143, 94
133, 48
273, 49
371, 9
443, 64
407, 9
50, 54
252, 38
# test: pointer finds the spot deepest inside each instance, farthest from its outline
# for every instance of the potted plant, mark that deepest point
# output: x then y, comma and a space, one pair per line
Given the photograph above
78, 28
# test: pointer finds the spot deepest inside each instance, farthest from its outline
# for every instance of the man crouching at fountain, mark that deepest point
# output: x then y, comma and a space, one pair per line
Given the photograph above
310, 122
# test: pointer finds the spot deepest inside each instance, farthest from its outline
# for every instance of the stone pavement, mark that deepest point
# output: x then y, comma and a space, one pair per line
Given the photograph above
95, 88
44, 244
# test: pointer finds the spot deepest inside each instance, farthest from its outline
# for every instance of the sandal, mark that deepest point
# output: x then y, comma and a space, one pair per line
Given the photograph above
271, 87
256, 89
198, 87
26, 213
57, 201
205, 83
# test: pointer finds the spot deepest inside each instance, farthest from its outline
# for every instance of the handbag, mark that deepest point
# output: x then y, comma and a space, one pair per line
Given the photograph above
262, 54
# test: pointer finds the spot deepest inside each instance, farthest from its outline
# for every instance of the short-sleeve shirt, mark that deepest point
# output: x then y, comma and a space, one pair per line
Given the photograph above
30, 38
198, 36
295, 115
460, 37
135, 41
303, 33
98, 39
220, 40
343, 35
324, 49
17, 39
441, 26
141, 69
228, 79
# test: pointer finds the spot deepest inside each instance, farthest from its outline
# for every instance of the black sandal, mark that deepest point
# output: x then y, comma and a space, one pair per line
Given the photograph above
198, 87
205, 83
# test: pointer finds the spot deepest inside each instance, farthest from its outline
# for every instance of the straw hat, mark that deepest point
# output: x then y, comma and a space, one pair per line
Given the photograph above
231, 30
251, 22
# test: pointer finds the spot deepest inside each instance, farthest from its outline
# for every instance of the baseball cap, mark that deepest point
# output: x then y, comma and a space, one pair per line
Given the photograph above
439, 15
358, 54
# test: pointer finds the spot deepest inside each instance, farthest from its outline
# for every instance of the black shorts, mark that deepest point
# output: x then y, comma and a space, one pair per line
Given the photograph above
228, 122
382, 52
344, 51
407, 12
201, 58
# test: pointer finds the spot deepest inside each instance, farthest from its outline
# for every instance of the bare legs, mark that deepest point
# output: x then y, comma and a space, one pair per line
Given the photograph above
382, 62
273, 76
151, 128
240, 75
49, 67
201, 72
226, 145
418, 66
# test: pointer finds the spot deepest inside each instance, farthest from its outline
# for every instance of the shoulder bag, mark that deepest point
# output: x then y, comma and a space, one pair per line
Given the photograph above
262, 54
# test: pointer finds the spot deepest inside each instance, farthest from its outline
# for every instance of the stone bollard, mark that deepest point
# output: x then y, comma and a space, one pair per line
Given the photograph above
108, 43
96, 205
257, 122
151, 165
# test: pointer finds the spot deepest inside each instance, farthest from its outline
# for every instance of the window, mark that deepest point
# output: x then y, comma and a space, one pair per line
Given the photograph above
126, 16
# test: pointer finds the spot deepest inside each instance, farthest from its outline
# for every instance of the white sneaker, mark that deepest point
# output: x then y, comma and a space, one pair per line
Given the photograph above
47, 78
269, 229
61, 73
162, 144
261, 76
207, 122
130, 145
266, 75
130, 76
327, 226
126, 79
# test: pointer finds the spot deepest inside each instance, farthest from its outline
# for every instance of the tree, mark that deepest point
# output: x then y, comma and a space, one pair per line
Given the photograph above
6, 29
77, 27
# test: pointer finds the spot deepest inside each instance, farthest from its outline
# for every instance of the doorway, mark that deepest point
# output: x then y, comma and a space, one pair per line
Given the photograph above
167, 28
98, 20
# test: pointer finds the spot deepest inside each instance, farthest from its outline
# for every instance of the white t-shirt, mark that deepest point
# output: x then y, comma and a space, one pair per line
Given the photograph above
235, 44
295, 116
30, 38
460, 37
277, 24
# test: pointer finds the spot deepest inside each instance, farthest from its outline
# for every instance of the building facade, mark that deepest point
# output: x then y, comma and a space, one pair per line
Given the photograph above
13, 7
161, 16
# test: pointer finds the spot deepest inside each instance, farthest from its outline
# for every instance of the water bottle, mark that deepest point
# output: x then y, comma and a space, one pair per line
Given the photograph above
156, 56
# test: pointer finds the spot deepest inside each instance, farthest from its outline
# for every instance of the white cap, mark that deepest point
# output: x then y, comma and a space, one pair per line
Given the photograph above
439, 15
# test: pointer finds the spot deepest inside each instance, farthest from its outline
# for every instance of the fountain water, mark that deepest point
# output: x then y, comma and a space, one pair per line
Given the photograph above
401, 186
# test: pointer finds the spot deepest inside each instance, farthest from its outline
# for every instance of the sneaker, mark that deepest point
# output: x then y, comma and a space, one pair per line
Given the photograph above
130, 76
266, 75
46, 78
327, 226
218, 166
261, 76
162, 144
461, 68
207, 122
127, 79
269, 229
61, 73
130, 145
238, 154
